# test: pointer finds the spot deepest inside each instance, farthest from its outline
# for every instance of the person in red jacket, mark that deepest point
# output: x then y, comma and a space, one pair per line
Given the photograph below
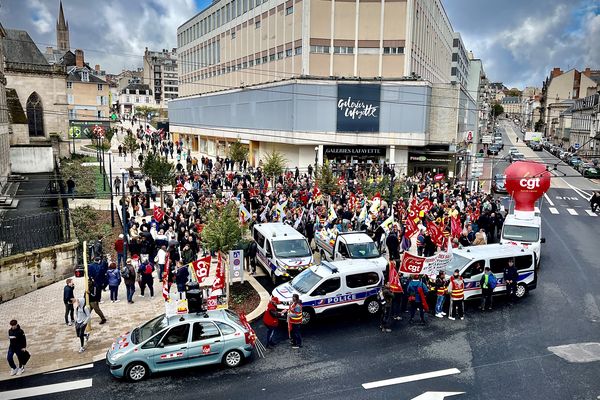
271, 320
119, 244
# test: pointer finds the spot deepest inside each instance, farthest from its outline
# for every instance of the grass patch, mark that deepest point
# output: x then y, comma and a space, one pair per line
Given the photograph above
88, 179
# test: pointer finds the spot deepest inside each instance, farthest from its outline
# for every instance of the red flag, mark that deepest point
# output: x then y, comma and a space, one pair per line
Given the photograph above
395, 285
316, 192
425, 205
219, 282
211, 303
246, 324
158, 213
455, 226
411, 264
410, 228
437, 235
423, 299
180, 189
201, 268
165, 278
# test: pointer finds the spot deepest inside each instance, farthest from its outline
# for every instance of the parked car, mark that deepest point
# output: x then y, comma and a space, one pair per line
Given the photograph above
535, 146
575, 161
176, 342
499, 183
493, 150
583, 166
591, 172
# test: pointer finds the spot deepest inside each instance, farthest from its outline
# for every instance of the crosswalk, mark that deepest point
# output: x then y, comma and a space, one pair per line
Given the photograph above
572, 211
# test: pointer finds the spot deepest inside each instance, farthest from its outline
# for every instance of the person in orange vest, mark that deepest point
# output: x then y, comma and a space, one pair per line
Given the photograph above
271, 320
456, 288
294, 317
440, 289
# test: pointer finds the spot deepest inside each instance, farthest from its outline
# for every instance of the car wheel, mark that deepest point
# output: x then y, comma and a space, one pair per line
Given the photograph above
372, 305
521, 291
233, 358
136, 372
308, 315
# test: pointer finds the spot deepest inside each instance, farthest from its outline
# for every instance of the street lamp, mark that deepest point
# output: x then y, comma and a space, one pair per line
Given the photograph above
110, 185
316, 156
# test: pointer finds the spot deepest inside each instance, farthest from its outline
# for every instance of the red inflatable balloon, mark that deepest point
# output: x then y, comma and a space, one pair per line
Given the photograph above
526, 181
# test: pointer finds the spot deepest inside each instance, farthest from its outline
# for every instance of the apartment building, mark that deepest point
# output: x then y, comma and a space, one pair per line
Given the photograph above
160, 73
585, 126
87, 94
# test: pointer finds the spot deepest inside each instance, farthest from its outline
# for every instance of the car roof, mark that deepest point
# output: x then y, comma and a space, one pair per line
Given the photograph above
218, 315
346, 266
355, 237
495, 250
511, 219
278, 230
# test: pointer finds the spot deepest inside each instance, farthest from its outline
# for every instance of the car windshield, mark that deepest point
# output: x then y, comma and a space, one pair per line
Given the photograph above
305, 281
291, 248
521, 233
149, 329
363, 250
457, 262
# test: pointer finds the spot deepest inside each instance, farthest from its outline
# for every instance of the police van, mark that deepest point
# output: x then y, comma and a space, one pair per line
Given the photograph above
471, 262
331, 285
281, 250
524, 232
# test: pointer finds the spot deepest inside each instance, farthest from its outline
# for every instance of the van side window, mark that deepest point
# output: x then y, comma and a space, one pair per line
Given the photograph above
343, 250
363, 279
259, 238
523, 262
497, 265
474, 269
267, 248
329, 286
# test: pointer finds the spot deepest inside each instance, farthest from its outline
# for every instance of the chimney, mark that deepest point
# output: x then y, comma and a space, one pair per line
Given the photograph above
79, 58
49, 49
555, 72
97, 68
587, 72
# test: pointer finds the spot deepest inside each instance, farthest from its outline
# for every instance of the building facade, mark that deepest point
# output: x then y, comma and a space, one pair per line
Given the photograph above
584, 126
135, 95
87, 94
459, 71
512, 106
4, 134
160, 73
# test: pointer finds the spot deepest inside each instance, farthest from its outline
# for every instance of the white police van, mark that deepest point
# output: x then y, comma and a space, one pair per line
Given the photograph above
471, 262
281, 250
331, 285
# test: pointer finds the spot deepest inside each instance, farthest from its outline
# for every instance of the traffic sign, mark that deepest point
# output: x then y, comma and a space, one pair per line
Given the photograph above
236, 265
576, 145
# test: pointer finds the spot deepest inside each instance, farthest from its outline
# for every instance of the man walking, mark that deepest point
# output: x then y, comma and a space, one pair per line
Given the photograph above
386, 299
17, 345
95, 295
68, 296
128, 274
488, 284
119, 245
511, 276
417, 292
294, 321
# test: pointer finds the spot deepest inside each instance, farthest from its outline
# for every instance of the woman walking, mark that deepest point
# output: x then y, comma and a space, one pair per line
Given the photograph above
114, 280
82, 317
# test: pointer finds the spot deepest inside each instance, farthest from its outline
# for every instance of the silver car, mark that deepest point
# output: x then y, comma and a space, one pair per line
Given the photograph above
169, 343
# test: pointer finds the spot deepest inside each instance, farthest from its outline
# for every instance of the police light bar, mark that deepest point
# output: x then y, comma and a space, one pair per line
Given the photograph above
332, 267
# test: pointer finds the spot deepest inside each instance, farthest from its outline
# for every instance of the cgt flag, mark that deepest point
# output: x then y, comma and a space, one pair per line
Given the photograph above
395, 285
201, 268
411, 264
158, 213
219, 282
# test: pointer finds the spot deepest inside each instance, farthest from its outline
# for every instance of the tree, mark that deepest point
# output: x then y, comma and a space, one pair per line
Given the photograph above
326, 180
143, 111
238, 152
130, 144
513, 92
274, 164
497, 110
539, 125
223, 231
160, 171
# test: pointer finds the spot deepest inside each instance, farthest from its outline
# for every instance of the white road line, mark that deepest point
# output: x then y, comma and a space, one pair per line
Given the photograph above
583, 194
572, 211
548, 200
46, 389
591, 213
410, 378
71, 369
553, 210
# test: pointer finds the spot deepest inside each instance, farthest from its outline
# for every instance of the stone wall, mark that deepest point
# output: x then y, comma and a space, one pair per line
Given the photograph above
24, 273
32, 159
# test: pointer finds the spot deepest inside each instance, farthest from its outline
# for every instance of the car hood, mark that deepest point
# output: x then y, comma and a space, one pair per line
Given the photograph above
284, 292
122, 344
296, 262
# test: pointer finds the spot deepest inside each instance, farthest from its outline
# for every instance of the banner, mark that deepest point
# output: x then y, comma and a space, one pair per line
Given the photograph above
201, 268
412, 264
244, 214
219, 282
437, 235
158, 213
358, 107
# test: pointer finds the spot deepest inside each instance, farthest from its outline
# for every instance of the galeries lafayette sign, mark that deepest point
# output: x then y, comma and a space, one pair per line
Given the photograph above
358, 108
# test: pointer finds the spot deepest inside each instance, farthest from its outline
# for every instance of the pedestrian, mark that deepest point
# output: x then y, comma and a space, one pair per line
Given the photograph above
393, 245
417, 292
398, 293
161, 259
95, 295
71, 187
440, 288
488, 284
182, 276
83, 313
119, 247
128, 274
294, 319
456, 288
17, 345
386, 298
120, 149
251, 253
271, 320
117, 186
67, 299
145, 277
511, 276
114, 280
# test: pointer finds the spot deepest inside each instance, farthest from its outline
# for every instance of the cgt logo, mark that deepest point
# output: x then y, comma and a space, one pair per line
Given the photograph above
530, 183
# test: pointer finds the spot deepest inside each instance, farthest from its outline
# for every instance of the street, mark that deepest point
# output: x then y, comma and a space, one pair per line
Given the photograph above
501, 354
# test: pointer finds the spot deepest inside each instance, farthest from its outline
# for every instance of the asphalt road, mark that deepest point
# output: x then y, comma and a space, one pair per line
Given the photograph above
501, 354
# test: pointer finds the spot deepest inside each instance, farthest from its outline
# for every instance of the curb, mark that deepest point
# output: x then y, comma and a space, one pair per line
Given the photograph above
264, 299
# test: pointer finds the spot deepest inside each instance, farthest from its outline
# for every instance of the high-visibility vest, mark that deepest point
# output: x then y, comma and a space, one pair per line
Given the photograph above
295, 313
441, 290
458, 289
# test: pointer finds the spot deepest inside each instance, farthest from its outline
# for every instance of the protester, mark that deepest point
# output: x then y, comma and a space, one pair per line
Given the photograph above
271, 320
386, 298
440, 288
182, 276
488, 284
128, 273
416, 293
119, 247
114, 280
17, 345
95, 295
67, 299
456, 288
294, 317
145, 277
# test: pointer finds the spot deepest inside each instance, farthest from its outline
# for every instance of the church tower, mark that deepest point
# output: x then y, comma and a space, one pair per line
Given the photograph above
62, 31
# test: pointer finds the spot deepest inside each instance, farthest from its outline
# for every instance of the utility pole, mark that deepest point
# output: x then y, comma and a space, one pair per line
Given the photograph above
124, 217
110, 185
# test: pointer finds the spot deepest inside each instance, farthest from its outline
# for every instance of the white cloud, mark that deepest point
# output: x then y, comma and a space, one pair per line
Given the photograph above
44, 21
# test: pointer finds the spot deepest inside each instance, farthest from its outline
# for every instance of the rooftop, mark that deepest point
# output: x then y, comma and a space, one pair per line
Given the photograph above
20, 52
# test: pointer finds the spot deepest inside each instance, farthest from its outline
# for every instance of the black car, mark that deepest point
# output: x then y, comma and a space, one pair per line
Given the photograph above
536, 146
499, 184
493, 150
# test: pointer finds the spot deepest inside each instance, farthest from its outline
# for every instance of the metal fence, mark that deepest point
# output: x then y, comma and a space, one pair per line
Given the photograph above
18, 235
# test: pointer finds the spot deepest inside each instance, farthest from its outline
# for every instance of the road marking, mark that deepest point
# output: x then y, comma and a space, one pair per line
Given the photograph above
46, 389
572, 211
436, 395
410, 378
71, 369
591, 213
548, 200
579, 191
578, 352
553, 210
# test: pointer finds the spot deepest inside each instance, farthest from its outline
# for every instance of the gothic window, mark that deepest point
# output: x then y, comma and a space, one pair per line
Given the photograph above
35, 115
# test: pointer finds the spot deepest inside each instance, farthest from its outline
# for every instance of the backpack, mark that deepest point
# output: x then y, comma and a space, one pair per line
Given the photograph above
148, 270
125, 272
492, 281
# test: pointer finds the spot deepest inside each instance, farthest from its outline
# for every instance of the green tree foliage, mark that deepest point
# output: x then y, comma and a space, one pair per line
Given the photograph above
130, 144
160, 171
497, 110
222, 231
274, 164
371, 187
143, 111
513, 92
238, 152
326, 180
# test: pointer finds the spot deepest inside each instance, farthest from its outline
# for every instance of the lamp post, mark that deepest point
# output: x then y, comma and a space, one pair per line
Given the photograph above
110, 185
316, 156
103, 170
124, 217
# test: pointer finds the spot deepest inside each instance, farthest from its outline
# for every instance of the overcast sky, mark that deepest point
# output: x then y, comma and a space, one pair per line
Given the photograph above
518, 41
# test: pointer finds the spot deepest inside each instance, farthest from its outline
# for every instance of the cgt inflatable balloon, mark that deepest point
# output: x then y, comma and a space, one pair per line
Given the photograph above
526, 181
